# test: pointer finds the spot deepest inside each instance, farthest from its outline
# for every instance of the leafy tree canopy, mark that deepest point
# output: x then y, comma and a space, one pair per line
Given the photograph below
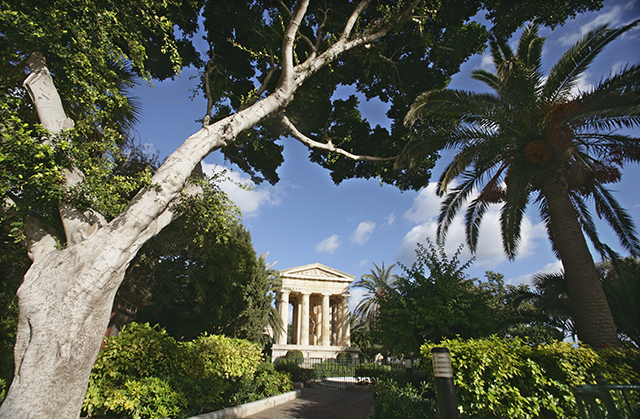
433, 300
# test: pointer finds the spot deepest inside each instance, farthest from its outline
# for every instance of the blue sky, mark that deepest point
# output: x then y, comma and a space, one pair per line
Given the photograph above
305, 218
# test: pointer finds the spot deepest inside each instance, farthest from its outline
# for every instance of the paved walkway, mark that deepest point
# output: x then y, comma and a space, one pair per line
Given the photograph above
322, 403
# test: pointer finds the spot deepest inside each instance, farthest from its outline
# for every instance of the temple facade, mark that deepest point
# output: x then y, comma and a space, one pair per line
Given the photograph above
317, 296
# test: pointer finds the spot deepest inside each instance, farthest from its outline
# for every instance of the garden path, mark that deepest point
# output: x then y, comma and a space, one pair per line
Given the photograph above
322, 403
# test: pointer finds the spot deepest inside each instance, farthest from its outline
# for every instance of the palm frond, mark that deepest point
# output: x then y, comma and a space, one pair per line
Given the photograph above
491, 79
543, 210
518, 182
530, 47
576, 60
450, 207
478, 207
587, 223
617, 217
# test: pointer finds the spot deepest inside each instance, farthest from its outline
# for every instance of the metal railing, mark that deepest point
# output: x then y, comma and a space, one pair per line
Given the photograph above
608, 401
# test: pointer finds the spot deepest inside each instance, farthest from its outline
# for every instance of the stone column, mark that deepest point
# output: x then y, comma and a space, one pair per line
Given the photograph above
334, 324
339, 322
326, 314
346, 327
284, 315
304, 320
297, 319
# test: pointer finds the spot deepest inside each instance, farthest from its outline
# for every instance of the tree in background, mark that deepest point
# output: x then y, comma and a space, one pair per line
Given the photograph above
546, 304
434, 299
621, 283
73, 217
537, 139
544, 309
377, 284
195, 283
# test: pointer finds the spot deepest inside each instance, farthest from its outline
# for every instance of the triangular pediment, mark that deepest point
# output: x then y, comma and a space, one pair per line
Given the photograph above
316, 271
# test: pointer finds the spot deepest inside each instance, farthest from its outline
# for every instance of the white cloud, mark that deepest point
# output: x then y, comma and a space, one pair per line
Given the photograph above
487, 62
489, 252
357, 294
528, 278
390, 220
362, 263
363, 232
328, 245
425, 206
614, 17
250, 200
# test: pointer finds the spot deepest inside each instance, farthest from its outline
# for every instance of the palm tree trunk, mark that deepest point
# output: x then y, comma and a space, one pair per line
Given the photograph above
589, 306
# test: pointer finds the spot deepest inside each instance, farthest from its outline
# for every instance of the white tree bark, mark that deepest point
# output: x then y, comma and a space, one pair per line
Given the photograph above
67, 294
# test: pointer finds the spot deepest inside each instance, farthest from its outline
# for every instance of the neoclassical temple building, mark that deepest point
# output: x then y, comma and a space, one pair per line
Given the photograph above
320, 323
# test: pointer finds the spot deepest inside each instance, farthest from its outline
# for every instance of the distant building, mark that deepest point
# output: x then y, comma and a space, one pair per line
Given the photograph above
125, 308
320, 324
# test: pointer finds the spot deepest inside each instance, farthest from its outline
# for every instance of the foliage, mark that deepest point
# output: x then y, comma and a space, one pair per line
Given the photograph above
435, 299
295, 371
216, 355
266, 382
363, 338
3, 389
392, 401
536, 140
377, 285
498, 377
145, 373
344, 357
95, 48
92, 50
621, 284
334, 368
295, 355
197, 281
245, 41
13, 265
373, 371
547, 305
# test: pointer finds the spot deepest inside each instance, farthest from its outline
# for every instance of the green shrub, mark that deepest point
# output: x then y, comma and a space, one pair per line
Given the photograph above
3, 389
215, 355
408, 402
296, 355
373, 371
123, 367
144, 373
297, 374
266, 382
344, 357
150, 397
507, 378
331, 368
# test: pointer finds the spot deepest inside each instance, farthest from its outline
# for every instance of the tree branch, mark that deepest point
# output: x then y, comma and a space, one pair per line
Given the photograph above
328, 146
288, 40
310, 66
78, 225
40, 237
353, 18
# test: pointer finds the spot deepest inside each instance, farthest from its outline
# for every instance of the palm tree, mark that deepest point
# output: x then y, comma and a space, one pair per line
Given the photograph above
538, 140
376, 284
547, 304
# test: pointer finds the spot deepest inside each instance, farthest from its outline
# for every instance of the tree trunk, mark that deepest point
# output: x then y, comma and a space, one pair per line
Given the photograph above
65, 301
591, 313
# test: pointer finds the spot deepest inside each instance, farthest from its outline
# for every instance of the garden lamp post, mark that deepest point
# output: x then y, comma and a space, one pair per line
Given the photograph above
445, 390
